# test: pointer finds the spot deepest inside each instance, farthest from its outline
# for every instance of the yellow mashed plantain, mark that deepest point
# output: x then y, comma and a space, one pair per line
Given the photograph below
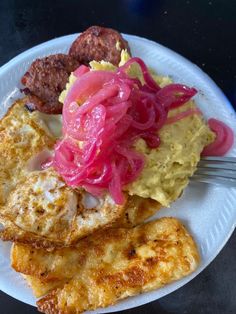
168, 167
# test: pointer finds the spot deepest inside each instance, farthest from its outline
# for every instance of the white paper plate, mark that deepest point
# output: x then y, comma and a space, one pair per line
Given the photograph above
209, 212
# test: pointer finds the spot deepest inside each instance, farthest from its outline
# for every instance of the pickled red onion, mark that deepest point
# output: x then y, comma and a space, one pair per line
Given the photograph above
96, 151
175, 95
81, 70
182, 115
87, 85
224, 139
146, 75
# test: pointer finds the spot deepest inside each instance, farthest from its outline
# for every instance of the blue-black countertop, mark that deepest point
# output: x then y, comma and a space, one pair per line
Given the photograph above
204, 32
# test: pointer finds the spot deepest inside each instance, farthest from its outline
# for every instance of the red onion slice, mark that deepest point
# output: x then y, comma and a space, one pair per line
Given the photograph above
103, 115
87, 85
175, 95
224, 139
146, 75
81, 70
182, 115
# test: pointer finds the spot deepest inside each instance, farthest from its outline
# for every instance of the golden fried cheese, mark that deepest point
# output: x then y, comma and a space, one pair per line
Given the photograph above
124, 264
41, 288
110, 265
137, 210
44, 212
22, 135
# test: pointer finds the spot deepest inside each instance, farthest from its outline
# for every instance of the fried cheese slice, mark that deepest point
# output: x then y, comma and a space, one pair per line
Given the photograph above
137, 210
41, 288
23, 134
110, 265
44, 212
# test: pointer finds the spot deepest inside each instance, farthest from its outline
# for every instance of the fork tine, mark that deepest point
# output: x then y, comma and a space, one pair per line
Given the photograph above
225, 166
218, 159
216, 170
214, 180
230, 174
227, 163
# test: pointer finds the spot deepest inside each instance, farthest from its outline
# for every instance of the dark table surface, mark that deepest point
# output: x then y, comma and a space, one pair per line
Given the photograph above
202, 31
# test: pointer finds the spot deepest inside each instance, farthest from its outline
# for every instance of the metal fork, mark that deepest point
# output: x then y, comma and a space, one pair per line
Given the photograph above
216, 170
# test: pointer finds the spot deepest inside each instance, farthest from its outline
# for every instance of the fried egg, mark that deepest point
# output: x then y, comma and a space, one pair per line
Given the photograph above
44, 212
23, 134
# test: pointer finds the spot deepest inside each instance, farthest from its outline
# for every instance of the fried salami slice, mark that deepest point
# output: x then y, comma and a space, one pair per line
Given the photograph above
98, 43
45, 80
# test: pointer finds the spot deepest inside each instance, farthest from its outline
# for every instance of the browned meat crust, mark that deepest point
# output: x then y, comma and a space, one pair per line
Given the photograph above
98, 43
45, 80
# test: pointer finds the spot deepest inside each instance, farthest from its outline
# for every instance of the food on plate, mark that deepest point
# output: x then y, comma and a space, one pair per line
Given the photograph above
45, 79
175, 160
133, 135
40, 227
110, 265
100, 144
137, 210
41, 288
98, 43
22, 135
44, 212
149, 257
224, 139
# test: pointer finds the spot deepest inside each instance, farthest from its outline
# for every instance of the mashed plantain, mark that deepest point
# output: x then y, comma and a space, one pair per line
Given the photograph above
168, 167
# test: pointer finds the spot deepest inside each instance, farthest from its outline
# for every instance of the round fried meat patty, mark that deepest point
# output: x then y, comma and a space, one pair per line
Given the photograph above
45, 80
98, 43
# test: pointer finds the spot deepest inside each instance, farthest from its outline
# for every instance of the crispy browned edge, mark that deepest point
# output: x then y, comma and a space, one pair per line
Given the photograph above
136, 211
41, 288
22, 255
13, 233
11, 236
49, 303
22, 101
